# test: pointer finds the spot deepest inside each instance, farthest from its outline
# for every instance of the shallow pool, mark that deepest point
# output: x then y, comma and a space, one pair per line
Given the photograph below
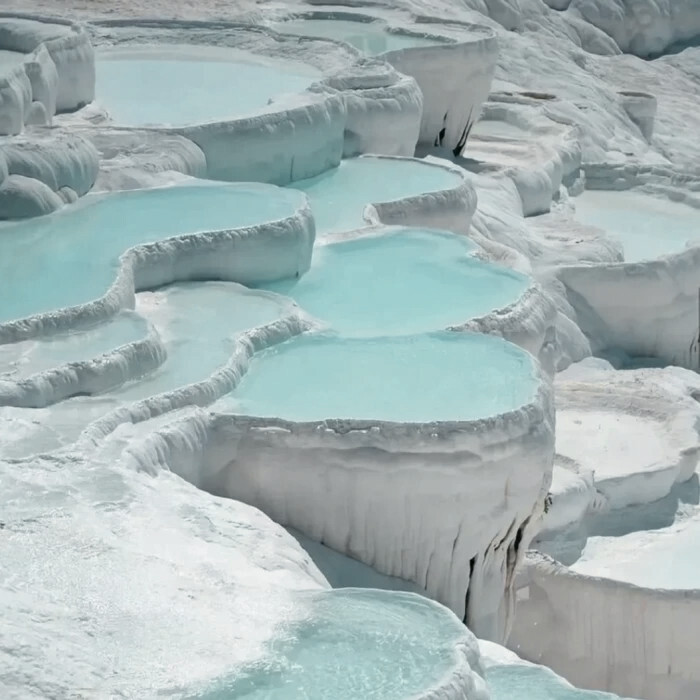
401, 282
339, 196
72, 256
457, 377
665, 558
524, 682
197, 322
371, 38
19, 360
178, 85
648, 227
494, 128
354, 644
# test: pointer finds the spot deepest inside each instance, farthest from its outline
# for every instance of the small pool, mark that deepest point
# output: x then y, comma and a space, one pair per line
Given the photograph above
401, 282
372, 38
647, 226
525, 682
72, 256
178, 85
20, 360
197, 323
493, 128
665, 558
458, 377
339, 196
354, 644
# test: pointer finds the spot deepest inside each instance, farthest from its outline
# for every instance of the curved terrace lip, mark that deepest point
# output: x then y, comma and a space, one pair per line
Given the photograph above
413, 201
115, 298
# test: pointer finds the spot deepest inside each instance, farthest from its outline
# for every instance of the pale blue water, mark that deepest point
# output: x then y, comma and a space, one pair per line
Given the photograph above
648, 227
407, 281
32, 356
521, 682
72, 256
370, 37
198, 323
339, 196
432, 377
354, 645
180, 85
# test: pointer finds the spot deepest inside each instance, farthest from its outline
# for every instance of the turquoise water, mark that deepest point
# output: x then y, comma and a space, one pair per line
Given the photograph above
72, 256
407, 281
32, 356
180, 85
339, 196
521, 682
648, 227
432, 377
355, 645
370, 37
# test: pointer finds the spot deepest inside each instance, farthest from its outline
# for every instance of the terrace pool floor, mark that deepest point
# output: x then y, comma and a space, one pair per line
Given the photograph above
180, 85
89, 237
20, 360
372, 38
665, 558
339, 196
366, 644
423, 378
400, 282
648, 227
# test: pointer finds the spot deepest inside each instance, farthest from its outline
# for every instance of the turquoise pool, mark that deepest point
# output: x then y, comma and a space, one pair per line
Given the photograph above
354, 644
401, 282
72, 256
458, 377
339, 196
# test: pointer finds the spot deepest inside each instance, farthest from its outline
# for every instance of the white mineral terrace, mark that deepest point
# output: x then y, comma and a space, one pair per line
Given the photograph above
332, 336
